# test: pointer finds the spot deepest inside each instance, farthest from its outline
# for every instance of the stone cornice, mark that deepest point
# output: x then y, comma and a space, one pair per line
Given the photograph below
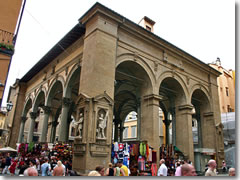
142, 33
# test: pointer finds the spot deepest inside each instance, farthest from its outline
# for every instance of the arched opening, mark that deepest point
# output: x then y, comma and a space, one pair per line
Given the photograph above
54, 102
200, 129
131, 83
173, 95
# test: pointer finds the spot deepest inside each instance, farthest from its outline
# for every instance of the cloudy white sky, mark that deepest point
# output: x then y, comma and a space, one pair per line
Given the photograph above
203, 28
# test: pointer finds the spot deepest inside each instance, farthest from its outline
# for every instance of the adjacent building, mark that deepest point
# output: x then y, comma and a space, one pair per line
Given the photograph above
226, 90
9, 24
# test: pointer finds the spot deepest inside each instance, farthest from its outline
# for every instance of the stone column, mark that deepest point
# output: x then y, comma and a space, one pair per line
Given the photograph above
21, 130
121, 131
33, 116
139, 119
63, 136
53, 131
116, 130
173, 126
184, 138
47, 111
150, 121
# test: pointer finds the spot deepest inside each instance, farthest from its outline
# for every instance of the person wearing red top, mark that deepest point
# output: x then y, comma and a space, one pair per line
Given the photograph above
13, 167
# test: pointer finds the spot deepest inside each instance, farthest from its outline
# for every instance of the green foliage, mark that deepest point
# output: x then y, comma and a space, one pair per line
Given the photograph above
7, 46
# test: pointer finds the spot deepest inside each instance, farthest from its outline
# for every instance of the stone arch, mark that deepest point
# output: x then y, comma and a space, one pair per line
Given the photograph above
56, 83
140, 61
203, 114
134, 79
179, 79
39, 100
202, 88
74, 75
27, 106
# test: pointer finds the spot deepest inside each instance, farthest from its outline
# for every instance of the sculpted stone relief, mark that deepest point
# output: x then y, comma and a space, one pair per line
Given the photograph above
79, 124
101, 124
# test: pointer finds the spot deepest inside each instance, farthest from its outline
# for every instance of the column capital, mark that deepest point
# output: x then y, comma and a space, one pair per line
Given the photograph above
33, 115
153, 96
207, 114
47, 109
185, 107
23, 118
66, 101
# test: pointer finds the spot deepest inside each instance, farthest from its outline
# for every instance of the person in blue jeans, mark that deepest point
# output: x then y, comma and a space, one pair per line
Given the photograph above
45, 167
8, 163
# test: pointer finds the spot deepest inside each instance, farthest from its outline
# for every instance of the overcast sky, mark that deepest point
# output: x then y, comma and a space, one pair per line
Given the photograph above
203, 28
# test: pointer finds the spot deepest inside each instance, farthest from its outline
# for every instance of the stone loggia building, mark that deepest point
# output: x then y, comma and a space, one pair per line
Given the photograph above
104, 68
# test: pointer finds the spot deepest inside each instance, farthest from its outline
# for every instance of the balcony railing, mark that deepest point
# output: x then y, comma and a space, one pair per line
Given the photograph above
6, 42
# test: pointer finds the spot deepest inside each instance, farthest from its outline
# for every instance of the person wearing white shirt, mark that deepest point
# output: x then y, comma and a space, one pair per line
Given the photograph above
162, 171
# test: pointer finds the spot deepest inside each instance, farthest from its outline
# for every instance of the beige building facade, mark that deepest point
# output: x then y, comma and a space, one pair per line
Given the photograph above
110, 67
226, 90
9, 13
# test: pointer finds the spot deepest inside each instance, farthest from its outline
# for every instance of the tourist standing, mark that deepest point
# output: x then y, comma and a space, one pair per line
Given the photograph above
31, 171
162, 171
13, 166
22, 168
211, 168
3, 164
45, 167
188, 170
100, 170
58, 170
119, 170
178, 169
124, 168
8, 163
110, 170
231, 172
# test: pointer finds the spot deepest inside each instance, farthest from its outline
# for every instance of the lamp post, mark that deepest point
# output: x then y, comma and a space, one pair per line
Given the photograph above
9, 106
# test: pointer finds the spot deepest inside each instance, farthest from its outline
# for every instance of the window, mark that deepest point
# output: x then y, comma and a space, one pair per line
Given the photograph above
227, 91
134, 131
36, 127
125, 133
229, 109
148, 28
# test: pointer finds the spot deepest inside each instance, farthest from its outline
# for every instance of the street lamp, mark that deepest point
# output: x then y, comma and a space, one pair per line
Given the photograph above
9, 106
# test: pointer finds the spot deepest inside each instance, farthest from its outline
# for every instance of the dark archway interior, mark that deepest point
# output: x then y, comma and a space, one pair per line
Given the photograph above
173, 96
131, 80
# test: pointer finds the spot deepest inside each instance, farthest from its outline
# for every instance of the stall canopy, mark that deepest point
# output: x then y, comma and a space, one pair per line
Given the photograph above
7, 149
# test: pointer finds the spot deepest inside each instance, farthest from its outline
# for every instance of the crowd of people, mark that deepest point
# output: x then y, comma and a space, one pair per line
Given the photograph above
183, 168
43, 166
35, 166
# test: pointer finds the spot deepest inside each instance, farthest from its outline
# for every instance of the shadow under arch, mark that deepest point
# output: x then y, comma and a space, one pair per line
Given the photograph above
39, 101
203, 123
132, 82
72, 82
140, 61
181, 82
27, 107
